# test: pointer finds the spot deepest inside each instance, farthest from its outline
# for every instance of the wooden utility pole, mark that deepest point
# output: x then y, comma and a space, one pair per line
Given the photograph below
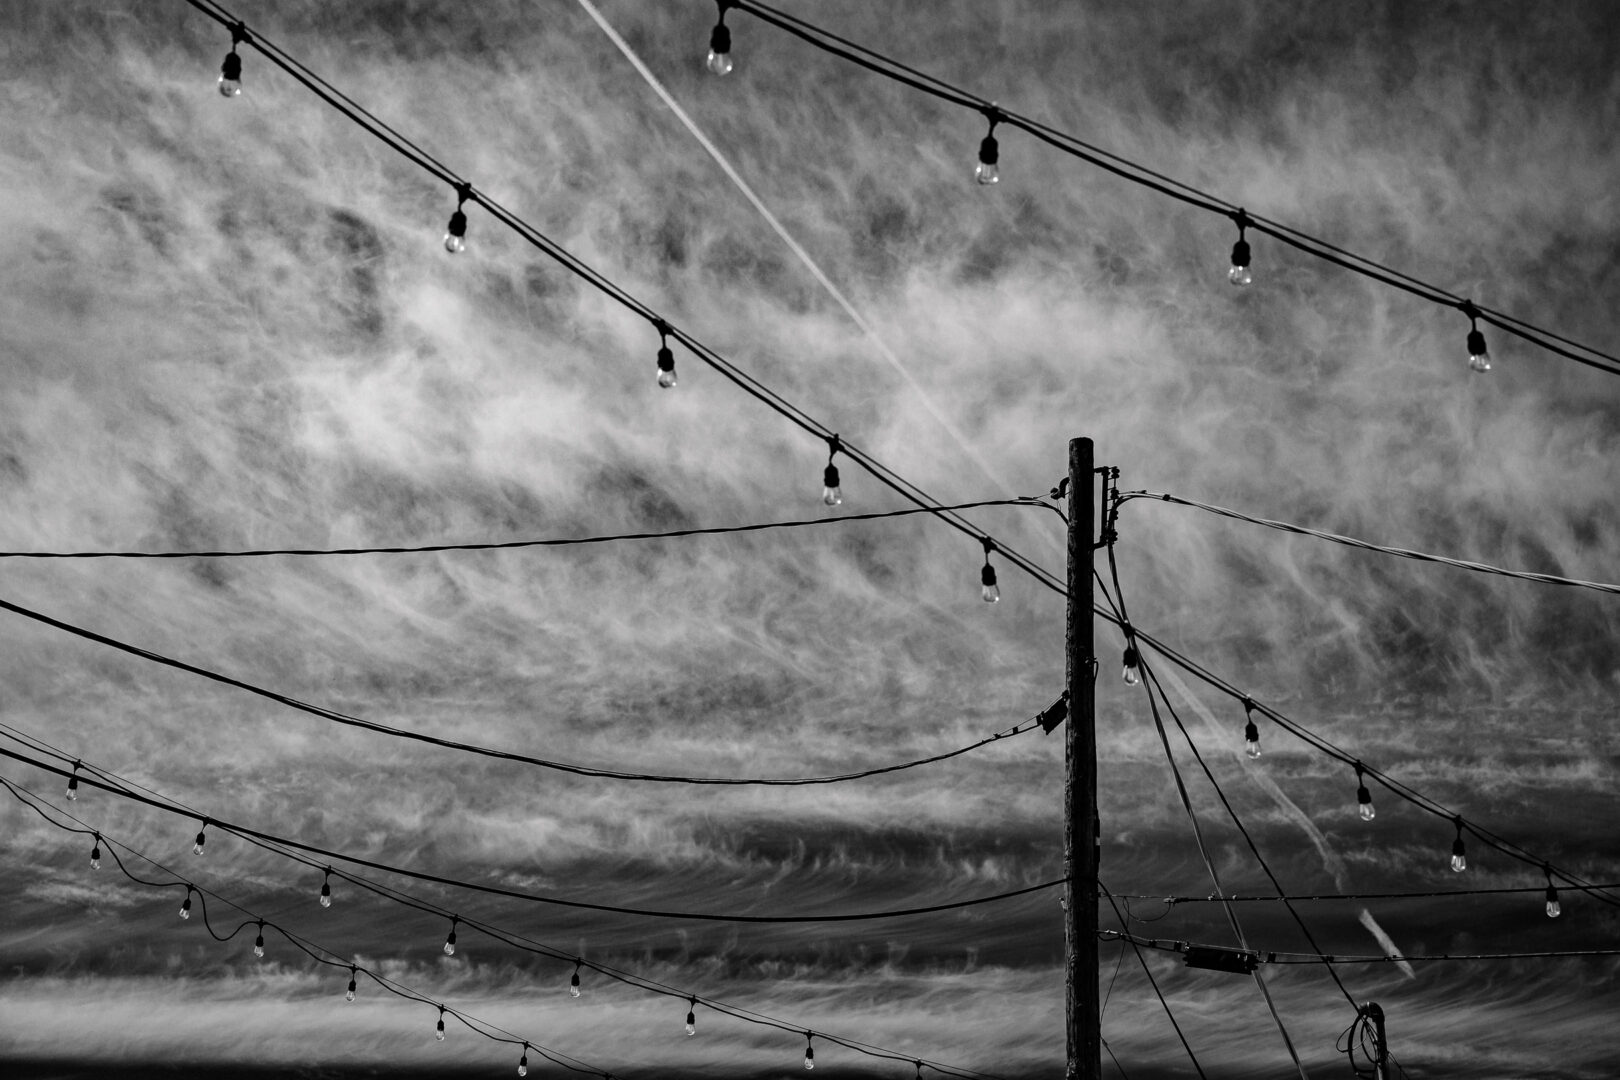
1080, 832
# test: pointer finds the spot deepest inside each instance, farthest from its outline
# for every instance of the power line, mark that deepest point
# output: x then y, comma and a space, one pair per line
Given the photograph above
377, 727
515, 894
1332, 959
507, 937
1171, 1016
1169, 187
1366, 545
506, 545
39, 805
1172, 900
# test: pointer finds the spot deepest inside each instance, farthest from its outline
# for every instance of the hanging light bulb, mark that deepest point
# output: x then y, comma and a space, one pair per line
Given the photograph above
1132, 671
326, 888
573, 983
185, 905
1554, 908
809, 1052
1459, 852
1240, 273
72, 794
986, 172
450, 942
455, 234
523, 1062
691, 1016
230, 72
354, 972
202, 838
989, 593
1251, 732
719, 58
666, 359
438, 1029
258, 941
1479, 357
1363, 797
95, 854
831, 493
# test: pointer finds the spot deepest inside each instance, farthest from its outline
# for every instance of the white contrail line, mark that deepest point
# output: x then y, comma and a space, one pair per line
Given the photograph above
855, 316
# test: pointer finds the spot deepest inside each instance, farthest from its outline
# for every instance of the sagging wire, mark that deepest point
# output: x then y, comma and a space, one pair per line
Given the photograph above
513, 894
33, 801
377, 727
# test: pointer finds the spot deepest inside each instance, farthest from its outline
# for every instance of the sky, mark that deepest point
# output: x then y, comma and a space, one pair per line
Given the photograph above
230, 323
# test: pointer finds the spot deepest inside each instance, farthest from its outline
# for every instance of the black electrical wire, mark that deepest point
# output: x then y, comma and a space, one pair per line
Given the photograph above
1126, 169
1297, 958
1366, 545
505, 545
514, 894
507, 937
1185, 1045
34, 802
1171, 901
484, 751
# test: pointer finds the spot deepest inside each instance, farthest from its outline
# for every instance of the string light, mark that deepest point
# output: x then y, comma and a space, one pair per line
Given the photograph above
1479, 357
809, 1052
455, 233
1251, 731
1364, 802
354, 974
691, 1016
72, 793
95, 854
986, 171
326, 888
573, 982
719, 58
1132, 670
1459, 851
523, 1061
450, 942
202, 838
831, 493
185, 905
258, 941
438, 1029
666, 358
1240, 273
987, 577
230, 72
1554, 908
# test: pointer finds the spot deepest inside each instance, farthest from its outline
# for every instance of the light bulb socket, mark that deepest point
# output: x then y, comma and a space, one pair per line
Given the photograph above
458, 223
1240, 253
1251, 732
989, 151
829, 476
720, 36
987, 576
666, 359
231, 69
1476, 343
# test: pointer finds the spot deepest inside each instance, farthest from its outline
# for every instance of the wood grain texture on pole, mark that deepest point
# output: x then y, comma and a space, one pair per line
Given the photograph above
1080, 831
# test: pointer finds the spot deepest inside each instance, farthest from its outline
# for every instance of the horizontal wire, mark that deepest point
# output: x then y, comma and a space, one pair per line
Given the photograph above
504, 545
1172, 900
1367, 545
507, 937
515, 894
1268, 957
377, 727
1126, 169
